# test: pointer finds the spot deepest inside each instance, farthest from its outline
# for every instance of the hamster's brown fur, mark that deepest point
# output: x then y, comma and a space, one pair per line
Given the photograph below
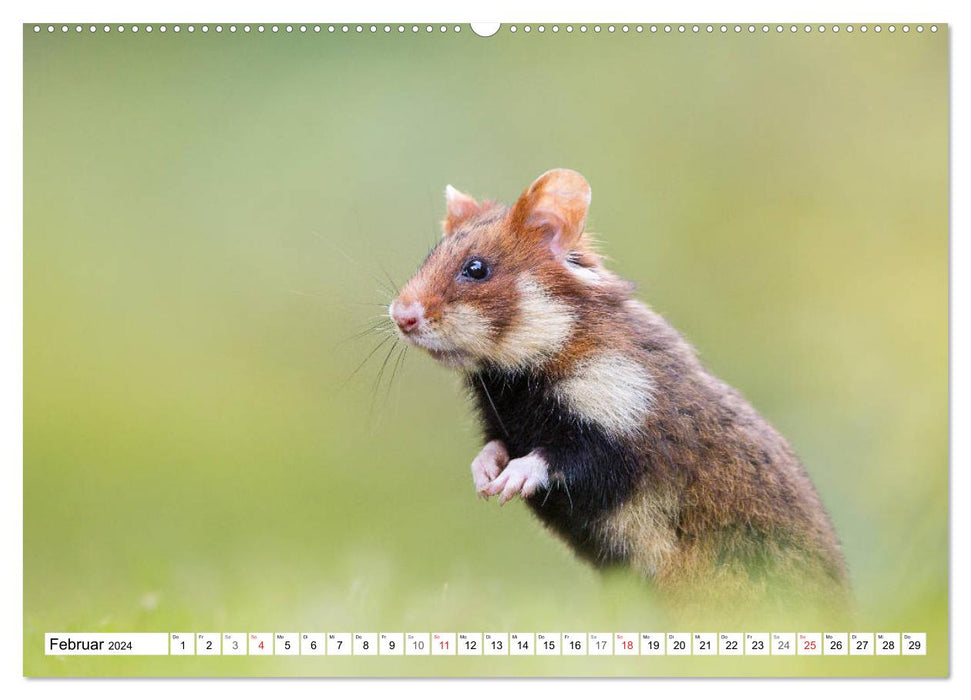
608, 425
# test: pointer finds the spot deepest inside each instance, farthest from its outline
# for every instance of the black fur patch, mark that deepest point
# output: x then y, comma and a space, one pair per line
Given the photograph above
591, 473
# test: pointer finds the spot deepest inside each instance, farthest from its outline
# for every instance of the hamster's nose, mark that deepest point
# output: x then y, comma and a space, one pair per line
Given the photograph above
407, 316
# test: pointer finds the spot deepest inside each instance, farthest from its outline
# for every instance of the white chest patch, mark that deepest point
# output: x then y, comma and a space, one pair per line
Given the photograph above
611, 390
540, 330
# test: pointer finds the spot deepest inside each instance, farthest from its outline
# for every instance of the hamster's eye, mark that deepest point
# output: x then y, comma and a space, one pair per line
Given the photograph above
475, 269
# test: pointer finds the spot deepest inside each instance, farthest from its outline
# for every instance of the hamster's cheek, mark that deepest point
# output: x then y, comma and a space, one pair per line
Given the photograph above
539, 327
467, 329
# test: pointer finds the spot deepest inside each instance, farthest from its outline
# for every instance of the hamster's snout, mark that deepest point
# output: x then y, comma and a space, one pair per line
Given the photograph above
408, 316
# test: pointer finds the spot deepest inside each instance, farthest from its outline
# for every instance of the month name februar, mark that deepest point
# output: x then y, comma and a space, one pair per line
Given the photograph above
75, 645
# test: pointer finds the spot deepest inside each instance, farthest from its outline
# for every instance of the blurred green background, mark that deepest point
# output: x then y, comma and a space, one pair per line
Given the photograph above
210, 218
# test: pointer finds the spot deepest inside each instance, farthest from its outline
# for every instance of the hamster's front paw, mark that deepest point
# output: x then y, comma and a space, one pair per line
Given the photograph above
523, 476
488, 464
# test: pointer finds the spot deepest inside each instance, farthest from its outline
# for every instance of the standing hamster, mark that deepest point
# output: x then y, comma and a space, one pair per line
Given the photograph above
600, 416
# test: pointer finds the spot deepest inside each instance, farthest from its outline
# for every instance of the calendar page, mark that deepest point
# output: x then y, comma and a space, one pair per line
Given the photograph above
424, 349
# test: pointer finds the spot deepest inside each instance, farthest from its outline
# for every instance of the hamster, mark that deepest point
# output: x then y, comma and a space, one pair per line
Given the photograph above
599, 415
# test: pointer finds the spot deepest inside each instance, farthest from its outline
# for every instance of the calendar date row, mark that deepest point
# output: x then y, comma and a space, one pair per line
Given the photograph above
489, 644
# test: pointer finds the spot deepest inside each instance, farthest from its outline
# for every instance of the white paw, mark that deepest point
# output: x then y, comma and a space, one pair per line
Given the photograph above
488, 465
523, 476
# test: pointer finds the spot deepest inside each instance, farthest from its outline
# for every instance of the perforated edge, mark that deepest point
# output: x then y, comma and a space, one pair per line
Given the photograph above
482, 30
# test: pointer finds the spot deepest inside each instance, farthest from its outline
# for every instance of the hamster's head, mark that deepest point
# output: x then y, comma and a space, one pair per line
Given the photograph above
503, 287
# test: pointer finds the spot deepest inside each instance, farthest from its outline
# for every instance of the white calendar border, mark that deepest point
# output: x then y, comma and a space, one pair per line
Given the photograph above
565, 10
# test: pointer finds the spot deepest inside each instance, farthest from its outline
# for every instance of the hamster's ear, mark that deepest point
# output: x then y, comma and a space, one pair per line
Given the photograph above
555, 209
458, 207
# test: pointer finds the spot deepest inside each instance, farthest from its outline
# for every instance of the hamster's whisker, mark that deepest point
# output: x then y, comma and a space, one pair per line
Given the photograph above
368, 357
377, 384
384, 291
546, 497
355, 265
390, 280
491, 403
302, 293
376, 328
396, 365
333, 300
566, 487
